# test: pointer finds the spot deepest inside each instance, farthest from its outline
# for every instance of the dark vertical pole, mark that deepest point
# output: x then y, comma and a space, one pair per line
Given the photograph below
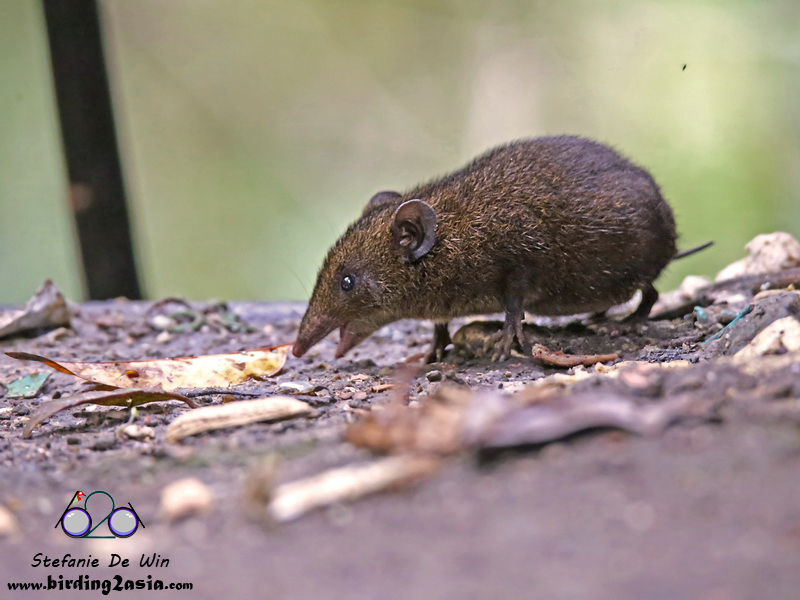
96, 193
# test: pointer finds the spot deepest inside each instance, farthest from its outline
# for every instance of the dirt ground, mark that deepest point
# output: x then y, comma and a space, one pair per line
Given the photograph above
708, 508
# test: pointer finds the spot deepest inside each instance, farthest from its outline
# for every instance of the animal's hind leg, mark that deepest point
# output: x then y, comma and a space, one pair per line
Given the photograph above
649, 297
598, 316
441, 339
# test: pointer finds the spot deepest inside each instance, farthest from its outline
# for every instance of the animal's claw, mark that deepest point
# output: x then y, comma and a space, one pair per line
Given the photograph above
501, 343
435, 354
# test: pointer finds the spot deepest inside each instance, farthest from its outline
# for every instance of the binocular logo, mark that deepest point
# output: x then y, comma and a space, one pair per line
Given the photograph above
77, 522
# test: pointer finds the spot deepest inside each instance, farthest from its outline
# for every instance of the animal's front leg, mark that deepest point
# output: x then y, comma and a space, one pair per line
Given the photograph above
441, 339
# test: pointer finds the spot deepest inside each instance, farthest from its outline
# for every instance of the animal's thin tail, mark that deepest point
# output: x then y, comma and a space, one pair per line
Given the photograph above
690, 251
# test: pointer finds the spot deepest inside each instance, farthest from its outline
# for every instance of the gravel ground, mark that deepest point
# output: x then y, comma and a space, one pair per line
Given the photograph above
707, 509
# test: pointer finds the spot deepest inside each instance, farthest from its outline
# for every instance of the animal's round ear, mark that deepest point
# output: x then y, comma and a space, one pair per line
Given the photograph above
380, 198
414, 229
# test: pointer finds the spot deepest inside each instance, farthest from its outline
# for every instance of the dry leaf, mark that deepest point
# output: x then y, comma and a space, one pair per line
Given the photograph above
455, 419
292, 500
137, 432
124, 397
559, 359
234, 414
560, 417
382, 387
47, 308
214, 370
433, 426
28, 386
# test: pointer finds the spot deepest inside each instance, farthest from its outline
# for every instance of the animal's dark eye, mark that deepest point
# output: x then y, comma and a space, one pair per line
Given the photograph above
348, 283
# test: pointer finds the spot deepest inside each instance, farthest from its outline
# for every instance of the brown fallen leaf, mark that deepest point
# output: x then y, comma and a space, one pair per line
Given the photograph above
433, 426
562, 416
292, 500
235, 414
454, 419
559, 359
47, 308
123, 397
214, 370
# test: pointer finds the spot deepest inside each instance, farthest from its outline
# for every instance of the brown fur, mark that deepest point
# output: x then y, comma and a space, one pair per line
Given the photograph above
560, 225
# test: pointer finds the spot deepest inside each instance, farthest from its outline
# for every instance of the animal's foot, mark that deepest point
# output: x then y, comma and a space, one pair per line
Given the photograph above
599, 316
642, 312
501, 343
634, 319
435, 354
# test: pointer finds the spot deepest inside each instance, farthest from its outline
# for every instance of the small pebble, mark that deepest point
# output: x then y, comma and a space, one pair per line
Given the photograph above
360, 396
434, 375
73, 440
161, 322
700, 314
346, 393
138, 432
295, 387
8, 522
185, 498
319, 400
643, 381
21, 409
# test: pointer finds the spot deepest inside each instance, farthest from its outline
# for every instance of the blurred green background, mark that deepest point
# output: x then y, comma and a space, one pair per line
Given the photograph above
254, 131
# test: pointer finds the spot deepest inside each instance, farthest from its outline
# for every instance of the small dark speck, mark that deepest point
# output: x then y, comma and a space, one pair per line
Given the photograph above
684, 67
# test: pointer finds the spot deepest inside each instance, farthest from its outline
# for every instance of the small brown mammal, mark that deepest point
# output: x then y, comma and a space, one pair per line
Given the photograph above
552, 226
